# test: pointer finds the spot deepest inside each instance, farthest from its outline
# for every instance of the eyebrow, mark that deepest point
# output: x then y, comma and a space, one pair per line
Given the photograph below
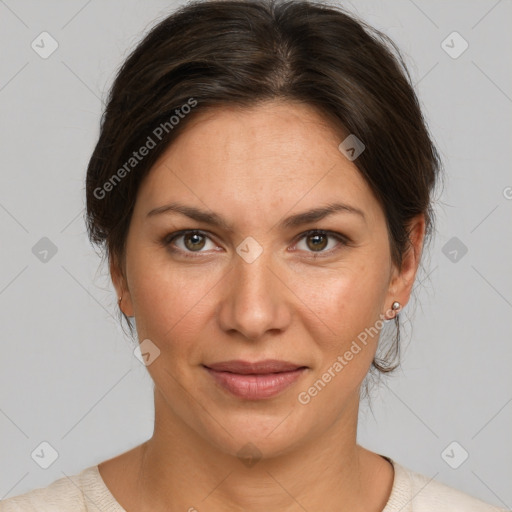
295, 220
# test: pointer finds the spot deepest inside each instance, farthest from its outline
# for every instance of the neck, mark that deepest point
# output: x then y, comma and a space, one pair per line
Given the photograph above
179, 467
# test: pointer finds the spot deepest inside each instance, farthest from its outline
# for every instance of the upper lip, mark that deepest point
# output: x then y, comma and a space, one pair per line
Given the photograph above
258, 367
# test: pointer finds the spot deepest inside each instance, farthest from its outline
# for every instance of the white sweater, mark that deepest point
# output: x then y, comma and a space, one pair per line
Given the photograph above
411, 492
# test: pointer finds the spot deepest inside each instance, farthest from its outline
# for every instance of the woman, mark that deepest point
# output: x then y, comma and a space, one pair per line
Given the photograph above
262, 186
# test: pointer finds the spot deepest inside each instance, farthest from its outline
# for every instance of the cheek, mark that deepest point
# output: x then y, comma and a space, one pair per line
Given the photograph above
169, 301
346, 300
348, 303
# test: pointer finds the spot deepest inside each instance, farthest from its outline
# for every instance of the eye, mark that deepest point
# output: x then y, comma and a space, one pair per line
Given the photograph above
316, 241
188, 241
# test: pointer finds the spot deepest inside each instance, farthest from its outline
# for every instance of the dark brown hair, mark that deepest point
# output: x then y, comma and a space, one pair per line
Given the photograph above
210, 54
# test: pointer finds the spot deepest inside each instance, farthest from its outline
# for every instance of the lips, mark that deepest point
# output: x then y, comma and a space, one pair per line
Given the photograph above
255, 381
257, 368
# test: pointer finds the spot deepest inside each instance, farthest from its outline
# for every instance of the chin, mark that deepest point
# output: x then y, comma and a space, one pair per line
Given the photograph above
257, 436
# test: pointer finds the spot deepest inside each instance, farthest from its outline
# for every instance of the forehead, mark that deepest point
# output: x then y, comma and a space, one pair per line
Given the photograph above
277, 154
262, 136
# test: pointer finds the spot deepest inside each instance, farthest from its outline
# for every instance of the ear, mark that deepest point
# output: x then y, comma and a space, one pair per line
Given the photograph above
117, 274
402, 279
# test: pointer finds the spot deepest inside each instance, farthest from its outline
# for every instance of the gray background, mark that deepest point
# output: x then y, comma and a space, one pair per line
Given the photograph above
68, 374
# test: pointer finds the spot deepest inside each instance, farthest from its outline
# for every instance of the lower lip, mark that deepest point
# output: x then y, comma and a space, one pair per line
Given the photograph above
256, 387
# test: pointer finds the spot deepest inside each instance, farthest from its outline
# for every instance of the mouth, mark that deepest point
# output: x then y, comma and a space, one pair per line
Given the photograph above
255, 380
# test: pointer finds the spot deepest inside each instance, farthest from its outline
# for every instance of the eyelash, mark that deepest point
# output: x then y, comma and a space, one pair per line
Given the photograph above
343, 241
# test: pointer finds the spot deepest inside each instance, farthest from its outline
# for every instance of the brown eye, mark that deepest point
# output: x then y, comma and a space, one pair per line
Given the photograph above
188, 242
317, 242
194, 241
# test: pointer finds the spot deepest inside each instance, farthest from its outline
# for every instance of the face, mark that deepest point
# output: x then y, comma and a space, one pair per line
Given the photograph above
261, 282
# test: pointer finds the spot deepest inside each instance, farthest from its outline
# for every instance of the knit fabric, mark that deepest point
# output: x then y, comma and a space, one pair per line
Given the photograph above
87, 492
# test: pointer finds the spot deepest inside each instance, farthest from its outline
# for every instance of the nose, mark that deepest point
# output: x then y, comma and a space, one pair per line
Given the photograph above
256, 301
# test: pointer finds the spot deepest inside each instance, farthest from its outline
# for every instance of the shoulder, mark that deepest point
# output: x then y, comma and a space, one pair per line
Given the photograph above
65, 494
414, 491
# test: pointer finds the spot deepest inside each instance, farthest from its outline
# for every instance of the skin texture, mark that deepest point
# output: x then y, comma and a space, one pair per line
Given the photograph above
255, 167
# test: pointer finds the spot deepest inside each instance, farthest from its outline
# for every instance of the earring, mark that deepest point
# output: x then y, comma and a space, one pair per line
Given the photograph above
119, 300
395, 307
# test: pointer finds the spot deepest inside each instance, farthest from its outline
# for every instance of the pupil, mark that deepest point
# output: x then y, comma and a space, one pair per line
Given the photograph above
194, 237
315, 244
